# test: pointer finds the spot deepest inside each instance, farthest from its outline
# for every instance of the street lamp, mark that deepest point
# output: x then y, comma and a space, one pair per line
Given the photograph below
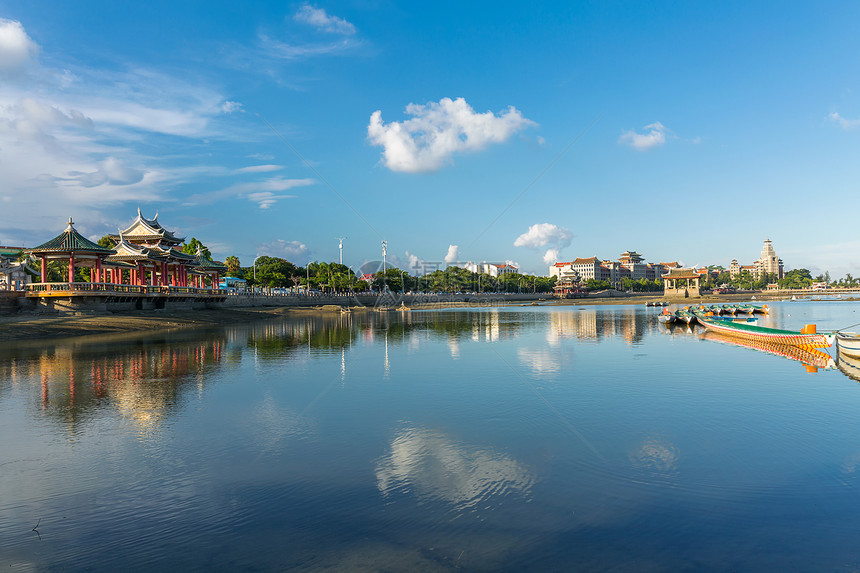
254, 264
340, 247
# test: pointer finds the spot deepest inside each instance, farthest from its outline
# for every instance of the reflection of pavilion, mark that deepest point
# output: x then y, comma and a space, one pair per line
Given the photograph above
144, 259
144, 381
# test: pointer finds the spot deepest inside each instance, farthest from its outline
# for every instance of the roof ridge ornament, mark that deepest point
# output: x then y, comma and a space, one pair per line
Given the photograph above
71, 223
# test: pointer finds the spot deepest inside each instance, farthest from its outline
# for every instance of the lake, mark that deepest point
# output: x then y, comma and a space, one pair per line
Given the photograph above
518, 438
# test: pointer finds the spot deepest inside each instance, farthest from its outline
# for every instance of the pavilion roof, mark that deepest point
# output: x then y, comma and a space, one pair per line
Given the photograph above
681, 274
149, 229
588, 261
70, 241
169, 251
203, 262
128, 252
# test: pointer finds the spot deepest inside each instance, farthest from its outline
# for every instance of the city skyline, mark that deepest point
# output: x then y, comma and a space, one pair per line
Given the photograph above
508, 134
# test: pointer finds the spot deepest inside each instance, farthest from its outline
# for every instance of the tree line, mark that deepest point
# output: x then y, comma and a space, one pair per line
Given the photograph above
275, 272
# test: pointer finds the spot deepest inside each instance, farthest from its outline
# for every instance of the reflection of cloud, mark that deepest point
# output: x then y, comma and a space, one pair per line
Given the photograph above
274, 424
656, 456
849, 466
431, 464
539, 361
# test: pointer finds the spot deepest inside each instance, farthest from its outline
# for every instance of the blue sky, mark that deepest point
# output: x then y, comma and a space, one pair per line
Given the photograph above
476, 131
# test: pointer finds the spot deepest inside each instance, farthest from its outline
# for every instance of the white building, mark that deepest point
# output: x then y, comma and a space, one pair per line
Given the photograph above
492, 269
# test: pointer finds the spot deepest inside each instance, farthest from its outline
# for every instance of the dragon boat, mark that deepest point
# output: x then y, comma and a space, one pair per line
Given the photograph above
806, 338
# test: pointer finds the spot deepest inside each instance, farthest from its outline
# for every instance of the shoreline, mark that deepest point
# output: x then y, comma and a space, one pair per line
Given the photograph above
35, 326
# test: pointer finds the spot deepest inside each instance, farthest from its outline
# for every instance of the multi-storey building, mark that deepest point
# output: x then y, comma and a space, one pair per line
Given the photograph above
768, 263
492, 269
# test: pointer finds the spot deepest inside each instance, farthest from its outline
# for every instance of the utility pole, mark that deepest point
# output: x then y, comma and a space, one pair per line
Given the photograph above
340, 246
384, 252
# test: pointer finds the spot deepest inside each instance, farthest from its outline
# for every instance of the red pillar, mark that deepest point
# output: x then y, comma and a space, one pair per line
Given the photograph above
99, 271
71, 267
44, 269
140, 275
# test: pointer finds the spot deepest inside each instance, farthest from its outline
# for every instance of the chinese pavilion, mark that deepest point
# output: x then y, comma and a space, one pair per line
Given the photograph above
145, 254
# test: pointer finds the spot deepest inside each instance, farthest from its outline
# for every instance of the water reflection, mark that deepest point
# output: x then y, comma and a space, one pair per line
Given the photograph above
428, 463
811, 357
143, 380
591, 324
658, 456
848, 365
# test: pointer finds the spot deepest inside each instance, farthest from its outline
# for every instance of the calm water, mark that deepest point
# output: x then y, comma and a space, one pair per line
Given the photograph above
526, 438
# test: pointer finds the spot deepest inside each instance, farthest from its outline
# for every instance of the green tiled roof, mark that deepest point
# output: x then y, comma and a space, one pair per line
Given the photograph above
70, 241
205, 263
11, 251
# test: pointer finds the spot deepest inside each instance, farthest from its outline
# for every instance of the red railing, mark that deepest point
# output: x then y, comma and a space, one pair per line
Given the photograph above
87, 287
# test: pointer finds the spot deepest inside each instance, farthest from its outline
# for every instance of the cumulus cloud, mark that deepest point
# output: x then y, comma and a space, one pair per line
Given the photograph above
319, 19
844, 122
542, 235
293, 251
453, 254
437, 131
655, 137
17, 50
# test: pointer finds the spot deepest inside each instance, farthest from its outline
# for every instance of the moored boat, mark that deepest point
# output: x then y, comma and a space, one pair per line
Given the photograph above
848, 343
807, 337
667, 317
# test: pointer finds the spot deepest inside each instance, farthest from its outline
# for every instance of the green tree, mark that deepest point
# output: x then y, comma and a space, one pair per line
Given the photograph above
234, 268
107, 242
190, 248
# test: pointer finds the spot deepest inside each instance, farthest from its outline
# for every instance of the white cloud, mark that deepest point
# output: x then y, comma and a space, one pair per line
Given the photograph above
284, 51
83, 136
844, 122
319, 19
110, 171
259, 169
453, 254
231, 107
17, 50
265, 193
546, 234
543, 234
293, 251
655, 137
551, 256
437, 131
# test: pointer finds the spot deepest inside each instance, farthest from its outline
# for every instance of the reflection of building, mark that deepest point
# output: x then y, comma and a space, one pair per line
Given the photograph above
142, 382
592, 325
